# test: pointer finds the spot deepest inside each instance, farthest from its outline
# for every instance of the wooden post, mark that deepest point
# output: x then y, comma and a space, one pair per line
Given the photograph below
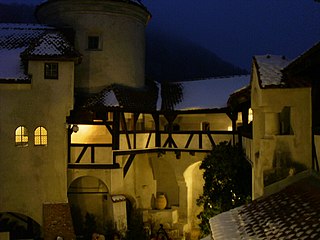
116, 131
157, 129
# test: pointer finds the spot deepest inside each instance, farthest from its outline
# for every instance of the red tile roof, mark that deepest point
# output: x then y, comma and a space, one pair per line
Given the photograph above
293, 213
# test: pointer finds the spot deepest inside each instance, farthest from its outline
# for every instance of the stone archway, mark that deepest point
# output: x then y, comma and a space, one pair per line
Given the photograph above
19, 226
90, 203
194, 180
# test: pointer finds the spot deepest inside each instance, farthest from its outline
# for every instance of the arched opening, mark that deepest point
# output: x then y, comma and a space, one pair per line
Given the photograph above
194, 180
19, 226
90, 204
166, 180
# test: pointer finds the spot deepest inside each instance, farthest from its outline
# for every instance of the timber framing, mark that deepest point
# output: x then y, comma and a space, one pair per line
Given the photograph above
125, 137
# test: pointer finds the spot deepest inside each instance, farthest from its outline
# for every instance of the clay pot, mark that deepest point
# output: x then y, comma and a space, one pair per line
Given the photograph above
161, 202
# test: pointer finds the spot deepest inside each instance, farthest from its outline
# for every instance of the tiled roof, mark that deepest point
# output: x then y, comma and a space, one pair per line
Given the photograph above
52, 45
28, 40
129, 98
14, 39
269, 69
293, 213
14, 36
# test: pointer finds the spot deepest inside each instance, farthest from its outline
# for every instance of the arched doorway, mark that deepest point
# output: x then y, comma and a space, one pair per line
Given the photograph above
19, 226
194, 180
89, 200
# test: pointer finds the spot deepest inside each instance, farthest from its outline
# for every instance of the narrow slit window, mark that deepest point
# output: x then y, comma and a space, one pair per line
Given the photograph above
21, 136
51, 70
40, 136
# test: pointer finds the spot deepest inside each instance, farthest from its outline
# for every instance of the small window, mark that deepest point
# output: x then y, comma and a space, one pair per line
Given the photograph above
93, 42
51, 71
205, 126
40, 136
21, 136
250, 115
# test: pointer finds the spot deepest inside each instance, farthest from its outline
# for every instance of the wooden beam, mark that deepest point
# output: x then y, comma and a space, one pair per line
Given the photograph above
148, 141
189, 140
128, 164
135, 120
92, 155
211, 140
93, 166
124, 126
116, 131
81, 154
69, 143
157, 129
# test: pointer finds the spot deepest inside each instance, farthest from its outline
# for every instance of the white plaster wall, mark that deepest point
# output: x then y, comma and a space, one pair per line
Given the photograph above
34, 175
195, 182
140, 182
92, 134
166, 179
218, 121
121, 28
297, 147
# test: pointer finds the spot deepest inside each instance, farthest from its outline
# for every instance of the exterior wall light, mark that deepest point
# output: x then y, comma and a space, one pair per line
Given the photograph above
75, 128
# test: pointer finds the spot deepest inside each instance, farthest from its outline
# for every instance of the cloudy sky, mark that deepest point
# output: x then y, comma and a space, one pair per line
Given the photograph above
238, 29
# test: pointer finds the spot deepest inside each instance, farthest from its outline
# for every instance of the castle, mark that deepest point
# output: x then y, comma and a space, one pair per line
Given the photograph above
83, 132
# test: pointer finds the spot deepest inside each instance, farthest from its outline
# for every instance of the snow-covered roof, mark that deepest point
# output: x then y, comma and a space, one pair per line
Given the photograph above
129, 98
209, 93
269, 69
14, 39
27, 41
51, 44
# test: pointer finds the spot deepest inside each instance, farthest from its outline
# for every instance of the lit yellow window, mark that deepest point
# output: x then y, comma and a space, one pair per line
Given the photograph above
21, 136
40, 136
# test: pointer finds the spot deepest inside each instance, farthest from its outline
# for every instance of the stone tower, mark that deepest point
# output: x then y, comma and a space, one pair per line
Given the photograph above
110, 34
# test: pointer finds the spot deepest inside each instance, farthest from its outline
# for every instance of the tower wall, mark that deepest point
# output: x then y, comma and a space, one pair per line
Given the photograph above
119, 57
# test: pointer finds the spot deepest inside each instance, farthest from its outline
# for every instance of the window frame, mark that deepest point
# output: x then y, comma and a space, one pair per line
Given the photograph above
91, 44
21, 139
43, 136
50, 73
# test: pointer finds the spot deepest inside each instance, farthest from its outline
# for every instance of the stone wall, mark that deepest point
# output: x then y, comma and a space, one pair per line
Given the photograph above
57, 221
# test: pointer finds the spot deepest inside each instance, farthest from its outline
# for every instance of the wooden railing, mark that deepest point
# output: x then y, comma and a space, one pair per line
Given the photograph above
131, 143
174, 140
247, 148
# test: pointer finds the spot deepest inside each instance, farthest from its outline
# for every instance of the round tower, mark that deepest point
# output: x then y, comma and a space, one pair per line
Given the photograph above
110, 34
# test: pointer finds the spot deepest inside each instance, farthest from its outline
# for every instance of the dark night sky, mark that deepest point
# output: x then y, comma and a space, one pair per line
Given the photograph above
238, 29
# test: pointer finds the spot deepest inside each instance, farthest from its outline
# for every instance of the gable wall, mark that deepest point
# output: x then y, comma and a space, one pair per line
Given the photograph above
269, 146
42, 103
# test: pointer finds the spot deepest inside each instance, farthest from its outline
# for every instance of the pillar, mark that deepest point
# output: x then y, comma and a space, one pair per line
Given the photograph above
272, 124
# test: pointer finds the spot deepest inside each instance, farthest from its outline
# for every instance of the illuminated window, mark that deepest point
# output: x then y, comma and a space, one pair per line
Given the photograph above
40, 136
51, 70
21, 136
93, 42
250, 115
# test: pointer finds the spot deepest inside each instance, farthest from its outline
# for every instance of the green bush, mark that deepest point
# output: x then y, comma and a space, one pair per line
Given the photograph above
227, 176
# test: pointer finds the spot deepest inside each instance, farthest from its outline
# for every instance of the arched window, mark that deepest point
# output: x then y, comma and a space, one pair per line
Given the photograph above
40, 136
21, 136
